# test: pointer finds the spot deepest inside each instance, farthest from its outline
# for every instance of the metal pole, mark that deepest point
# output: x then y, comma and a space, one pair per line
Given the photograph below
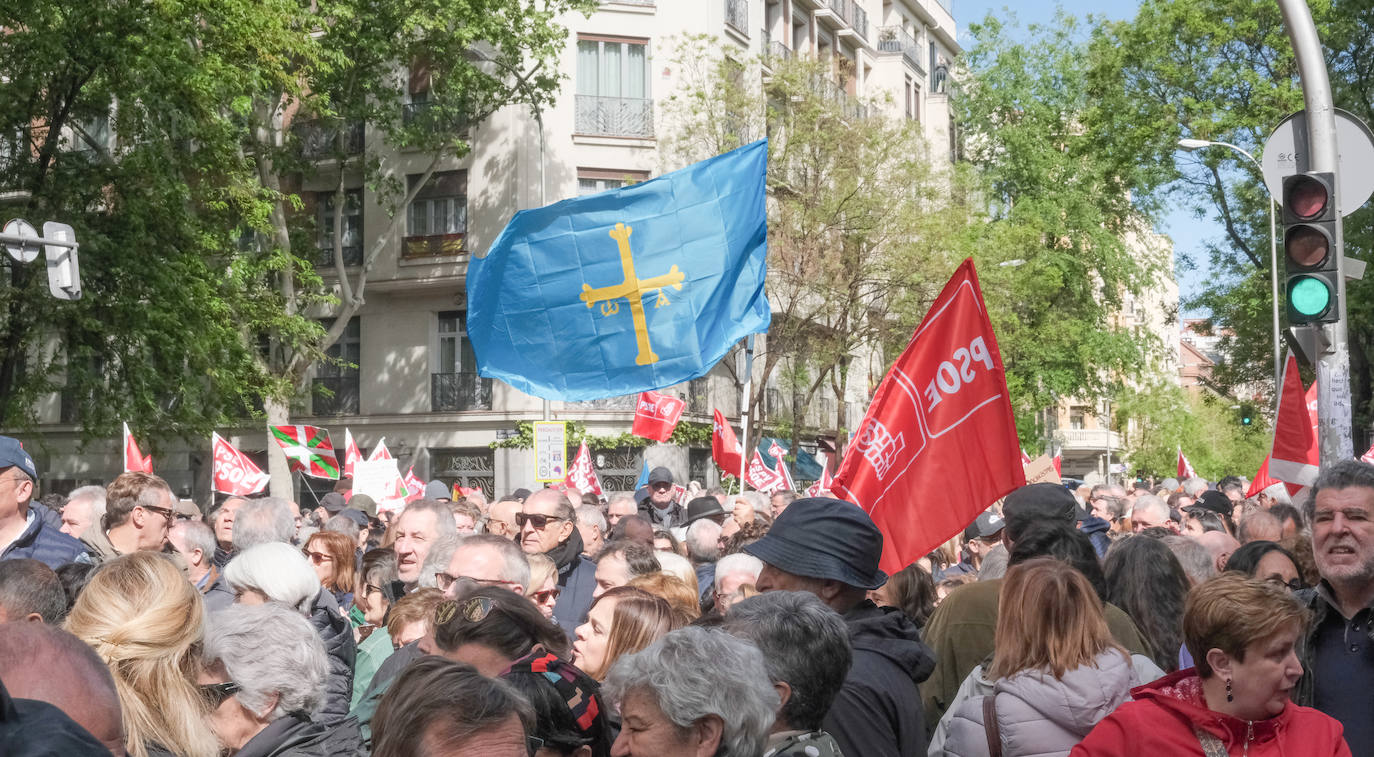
1333, 357
744, 407
1274, 295
543, 185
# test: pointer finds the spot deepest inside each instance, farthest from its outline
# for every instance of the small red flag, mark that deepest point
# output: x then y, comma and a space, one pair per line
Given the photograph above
351, 453
582, 473
940, 424
656, 415
761, 477
1296, 455
1185, 468
233, 472
725, 446
133, 459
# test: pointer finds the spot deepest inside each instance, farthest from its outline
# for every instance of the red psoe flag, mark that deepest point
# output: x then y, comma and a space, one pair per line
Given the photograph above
351, 453
761, 477
415, 488
1296, 455
725, 446
1185, 468
233, 472
582, 473
938, 444
656, 415
133, 459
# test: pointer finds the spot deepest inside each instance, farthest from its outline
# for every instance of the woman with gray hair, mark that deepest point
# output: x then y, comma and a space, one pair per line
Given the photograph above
696, 691
265, 671
277, 572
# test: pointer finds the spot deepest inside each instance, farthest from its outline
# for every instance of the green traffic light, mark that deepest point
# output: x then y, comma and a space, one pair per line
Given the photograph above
1309, 296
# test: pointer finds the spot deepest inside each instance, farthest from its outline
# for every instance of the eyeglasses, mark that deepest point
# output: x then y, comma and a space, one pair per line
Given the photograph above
319, 558
473, 610
1296, 584
533, 744
461, 584
661, 485
538, 520
164, 512
216, 693
540, 597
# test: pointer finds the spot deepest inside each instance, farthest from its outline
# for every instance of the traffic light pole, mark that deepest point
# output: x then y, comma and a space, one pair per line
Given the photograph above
1334, 407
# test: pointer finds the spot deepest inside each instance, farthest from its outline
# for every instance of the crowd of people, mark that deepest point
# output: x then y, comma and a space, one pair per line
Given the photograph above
1177, 618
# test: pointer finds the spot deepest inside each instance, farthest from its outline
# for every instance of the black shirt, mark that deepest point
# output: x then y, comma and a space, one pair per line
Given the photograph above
1343, 672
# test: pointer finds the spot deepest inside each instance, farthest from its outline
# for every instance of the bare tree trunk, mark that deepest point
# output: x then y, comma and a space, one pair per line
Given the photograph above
278, 412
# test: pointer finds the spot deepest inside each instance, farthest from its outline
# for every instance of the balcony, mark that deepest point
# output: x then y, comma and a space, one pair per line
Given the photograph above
614, 116
424, 115
458, 392
895, 39
343, 397
626, 402
1090, 439
352, 256
848, 11
317, 138
433, 246
830, 90
773, 50
737, 15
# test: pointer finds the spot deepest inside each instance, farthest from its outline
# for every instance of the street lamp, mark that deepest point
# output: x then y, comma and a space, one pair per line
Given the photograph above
1197, 144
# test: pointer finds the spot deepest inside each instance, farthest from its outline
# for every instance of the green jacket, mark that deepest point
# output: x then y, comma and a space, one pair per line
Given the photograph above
961, 634
371, 654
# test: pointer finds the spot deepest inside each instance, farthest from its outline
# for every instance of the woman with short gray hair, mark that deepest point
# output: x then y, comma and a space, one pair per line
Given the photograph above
694, 691
265, 671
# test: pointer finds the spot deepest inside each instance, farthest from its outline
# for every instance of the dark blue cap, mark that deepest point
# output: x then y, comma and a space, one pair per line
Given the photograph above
12, 454
821, 537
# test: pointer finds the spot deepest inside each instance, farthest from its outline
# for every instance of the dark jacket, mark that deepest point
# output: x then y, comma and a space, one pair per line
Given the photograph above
40, 541
1318, 600
290, 736
217, 593
337, 636
576, 582
675, 515
878, 710
37, 729
1096, 528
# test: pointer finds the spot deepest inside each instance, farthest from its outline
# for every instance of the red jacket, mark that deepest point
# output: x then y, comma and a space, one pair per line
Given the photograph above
1161, 721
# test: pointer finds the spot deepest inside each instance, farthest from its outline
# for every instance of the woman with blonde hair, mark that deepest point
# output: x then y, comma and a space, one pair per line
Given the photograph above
1055, 672
683, 598
544, 590
147, 622
622, 621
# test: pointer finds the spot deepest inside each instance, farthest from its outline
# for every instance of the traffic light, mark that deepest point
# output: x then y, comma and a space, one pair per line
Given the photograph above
1309, 247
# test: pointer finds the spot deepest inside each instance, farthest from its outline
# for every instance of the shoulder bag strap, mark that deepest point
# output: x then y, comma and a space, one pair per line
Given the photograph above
1211, 745
990, 726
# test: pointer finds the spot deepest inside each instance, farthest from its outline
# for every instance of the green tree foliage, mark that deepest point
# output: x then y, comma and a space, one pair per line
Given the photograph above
1223, 70
1160, 419
1058, 198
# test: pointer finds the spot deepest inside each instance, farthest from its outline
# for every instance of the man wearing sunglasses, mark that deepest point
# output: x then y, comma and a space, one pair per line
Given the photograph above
139, 510
659, 507
22, 532
548, 526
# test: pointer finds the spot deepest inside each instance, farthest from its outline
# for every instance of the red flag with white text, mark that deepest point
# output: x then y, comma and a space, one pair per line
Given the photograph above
1296, 455
1185, 468
761, 477
725, 446
656, 415
233, 473
582, 473
938, 444
134, 460
351, 453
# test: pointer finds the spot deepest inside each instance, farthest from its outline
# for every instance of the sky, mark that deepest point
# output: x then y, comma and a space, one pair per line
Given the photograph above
1188, 233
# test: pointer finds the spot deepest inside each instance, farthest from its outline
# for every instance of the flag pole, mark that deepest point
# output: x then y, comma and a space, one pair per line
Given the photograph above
744, 406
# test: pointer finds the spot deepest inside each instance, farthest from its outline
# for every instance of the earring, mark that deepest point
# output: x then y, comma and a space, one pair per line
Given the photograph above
1229, 698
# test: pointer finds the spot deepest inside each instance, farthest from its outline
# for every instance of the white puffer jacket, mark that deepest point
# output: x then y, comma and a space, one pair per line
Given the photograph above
1039, 716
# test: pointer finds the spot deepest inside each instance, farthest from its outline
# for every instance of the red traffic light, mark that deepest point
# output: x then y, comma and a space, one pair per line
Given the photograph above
1306, 246
1307, 198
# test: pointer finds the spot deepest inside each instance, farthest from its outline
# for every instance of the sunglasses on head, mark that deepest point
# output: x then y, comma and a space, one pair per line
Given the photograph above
463, 584
538, 520
473, 610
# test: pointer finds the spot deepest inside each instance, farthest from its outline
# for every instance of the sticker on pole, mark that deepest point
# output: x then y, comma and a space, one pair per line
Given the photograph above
550, 451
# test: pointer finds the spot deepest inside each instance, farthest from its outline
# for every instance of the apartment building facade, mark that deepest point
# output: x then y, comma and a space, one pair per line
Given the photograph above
406, 370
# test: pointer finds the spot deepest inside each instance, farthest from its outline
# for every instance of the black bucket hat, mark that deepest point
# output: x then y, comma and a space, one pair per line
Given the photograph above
821, 537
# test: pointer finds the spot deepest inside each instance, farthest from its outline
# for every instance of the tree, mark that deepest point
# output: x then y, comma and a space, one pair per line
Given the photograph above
1059, 199
1160, 419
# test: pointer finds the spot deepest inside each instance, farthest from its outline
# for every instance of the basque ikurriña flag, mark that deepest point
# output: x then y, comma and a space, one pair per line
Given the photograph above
628, 290
308, 450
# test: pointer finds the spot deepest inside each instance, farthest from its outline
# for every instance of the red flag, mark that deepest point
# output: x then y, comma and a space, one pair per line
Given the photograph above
380, 452
351, 453
233, 472
582, 473
656, 415
823, 485
1296, 456
1185, 468
725, 446
776, 452
1263, 481
415, 488
1058, 465
760, 476
1025, 459
133, 459
938, 444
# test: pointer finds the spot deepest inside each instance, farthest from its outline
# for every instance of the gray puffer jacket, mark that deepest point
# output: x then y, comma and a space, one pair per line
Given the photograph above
1039, 716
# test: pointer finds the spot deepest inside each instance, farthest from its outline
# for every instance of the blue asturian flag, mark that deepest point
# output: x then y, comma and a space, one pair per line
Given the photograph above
628, 290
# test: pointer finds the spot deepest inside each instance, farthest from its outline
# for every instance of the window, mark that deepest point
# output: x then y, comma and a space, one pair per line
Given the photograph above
613, 87
1077, 414
338, 376
454, 384
352, 227
437, 219
593, 180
